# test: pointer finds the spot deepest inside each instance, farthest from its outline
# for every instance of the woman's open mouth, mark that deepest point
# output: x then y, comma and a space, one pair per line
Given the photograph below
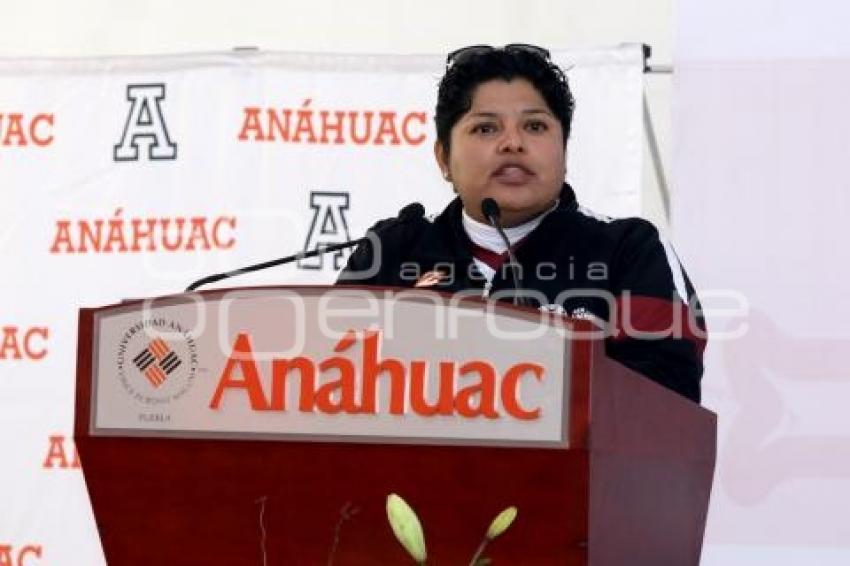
512, 174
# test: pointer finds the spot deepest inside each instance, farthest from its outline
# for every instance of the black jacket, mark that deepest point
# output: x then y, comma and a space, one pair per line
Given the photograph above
568, 261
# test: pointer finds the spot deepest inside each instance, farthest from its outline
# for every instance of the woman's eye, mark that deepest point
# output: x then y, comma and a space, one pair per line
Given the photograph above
536, 126
484, 128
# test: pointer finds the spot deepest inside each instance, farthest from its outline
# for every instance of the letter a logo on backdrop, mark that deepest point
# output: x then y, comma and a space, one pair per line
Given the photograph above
145, 125
327, 227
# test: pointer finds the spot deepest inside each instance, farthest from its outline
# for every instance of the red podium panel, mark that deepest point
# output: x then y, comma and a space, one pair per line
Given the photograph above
629, 484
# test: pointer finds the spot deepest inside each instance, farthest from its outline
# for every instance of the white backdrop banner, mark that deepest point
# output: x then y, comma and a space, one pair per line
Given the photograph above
131, 177
760, 214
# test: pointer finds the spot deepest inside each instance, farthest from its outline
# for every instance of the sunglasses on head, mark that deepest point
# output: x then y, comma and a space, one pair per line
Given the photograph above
459, 55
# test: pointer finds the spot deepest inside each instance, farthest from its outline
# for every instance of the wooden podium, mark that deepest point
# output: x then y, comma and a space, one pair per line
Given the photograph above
198, 448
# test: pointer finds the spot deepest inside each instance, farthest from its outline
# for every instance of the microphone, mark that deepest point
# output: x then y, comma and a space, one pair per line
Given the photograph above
413, 211
491, 211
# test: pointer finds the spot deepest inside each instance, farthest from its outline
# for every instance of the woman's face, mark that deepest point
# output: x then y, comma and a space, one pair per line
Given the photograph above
509, 147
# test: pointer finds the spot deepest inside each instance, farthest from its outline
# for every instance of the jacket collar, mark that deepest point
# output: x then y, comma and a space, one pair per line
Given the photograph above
449, 240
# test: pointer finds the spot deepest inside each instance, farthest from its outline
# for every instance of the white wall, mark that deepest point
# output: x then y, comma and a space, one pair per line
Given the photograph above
761, 122
57, 28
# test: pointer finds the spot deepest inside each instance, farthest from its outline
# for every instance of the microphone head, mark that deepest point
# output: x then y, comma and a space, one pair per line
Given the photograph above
490, 208
412, 211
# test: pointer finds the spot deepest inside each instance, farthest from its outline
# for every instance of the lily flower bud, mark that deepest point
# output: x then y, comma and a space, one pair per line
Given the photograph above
406, 527
501, 523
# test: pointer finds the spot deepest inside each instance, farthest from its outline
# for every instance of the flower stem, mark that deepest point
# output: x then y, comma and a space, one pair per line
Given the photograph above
479, 552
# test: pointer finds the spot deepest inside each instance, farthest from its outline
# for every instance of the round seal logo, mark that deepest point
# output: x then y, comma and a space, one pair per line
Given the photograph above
157, 361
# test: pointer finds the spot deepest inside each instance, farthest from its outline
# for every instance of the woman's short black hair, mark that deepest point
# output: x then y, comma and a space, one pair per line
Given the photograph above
464, 74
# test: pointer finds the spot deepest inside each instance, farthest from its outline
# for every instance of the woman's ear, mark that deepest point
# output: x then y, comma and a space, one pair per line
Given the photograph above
442, 158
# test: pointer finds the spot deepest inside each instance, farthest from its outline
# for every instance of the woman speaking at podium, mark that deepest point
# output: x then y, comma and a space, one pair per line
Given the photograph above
516, 233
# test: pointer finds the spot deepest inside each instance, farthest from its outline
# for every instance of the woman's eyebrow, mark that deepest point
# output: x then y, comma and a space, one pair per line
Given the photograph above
483, 114
489, 114
540, 110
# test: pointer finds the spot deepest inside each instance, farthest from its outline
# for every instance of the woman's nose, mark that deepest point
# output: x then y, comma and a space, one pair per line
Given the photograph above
511, 141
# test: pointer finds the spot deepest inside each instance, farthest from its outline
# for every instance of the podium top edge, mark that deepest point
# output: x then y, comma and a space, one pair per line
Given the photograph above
442, 298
